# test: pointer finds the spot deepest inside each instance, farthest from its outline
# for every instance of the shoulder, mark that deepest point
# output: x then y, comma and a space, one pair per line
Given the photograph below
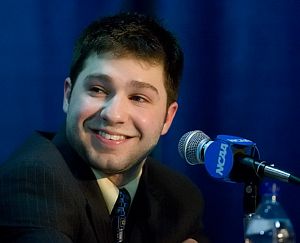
175, 202
36, 186
37, 150
172, 183
36, 162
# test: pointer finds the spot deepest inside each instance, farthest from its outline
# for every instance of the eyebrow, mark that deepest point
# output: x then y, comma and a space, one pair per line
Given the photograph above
103, 77
143, 85
133, 83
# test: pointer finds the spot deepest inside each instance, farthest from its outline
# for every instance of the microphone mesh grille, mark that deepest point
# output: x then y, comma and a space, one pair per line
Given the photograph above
188, 144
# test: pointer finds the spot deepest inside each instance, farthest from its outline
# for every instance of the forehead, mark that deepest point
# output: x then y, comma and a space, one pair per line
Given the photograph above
110, 56
123, 68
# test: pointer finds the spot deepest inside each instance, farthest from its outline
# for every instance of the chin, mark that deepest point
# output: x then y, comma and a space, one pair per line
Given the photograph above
109, 169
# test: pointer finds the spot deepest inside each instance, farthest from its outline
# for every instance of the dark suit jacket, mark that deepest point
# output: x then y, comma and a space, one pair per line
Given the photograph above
49, 194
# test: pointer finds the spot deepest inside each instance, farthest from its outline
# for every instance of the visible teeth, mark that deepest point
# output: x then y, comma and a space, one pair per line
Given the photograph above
111, 137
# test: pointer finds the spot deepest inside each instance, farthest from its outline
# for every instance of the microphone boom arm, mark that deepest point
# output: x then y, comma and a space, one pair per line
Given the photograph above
262, 169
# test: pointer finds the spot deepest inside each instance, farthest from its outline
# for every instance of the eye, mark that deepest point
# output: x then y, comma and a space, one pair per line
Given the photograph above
139, 99
97, 90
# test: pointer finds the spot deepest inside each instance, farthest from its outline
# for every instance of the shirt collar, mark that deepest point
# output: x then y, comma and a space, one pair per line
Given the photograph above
110, 191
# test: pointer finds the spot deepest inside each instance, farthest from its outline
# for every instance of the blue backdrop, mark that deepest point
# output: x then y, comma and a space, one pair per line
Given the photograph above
241, 78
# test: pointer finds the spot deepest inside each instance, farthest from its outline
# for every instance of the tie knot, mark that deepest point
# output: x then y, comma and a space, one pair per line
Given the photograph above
124, 195
123, 202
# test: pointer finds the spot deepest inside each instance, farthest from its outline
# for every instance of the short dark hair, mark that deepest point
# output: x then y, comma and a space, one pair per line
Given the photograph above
131, 34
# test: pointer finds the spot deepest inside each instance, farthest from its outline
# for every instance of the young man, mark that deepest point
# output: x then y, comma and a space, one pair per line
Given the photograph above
119, 98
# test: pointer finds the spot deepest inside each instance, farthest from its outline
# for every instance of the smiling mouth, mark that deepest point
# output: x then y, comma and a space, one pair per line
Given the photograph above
111, 137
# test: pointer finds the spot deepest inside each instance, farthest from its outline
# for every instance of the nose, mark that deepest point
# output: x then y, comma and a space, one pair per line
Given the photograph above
114, 110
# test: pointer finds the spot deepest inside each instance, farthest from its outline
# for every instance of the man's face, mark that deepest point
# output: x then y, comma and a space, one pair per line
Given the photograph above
117, 111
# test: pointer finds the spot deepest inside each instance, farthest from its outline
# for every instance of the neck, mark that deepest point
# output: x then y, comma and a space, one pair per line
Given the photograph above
123, 178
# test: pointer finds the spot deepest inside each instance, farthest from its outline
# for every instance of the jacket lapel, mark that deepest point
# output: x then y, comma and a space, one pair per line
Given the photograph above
95, 207
97, 211
145, 210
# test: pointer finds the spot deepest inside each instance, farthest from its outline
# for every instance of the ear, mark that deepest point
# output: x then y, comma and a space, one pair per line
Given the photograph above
171, 111
67, 94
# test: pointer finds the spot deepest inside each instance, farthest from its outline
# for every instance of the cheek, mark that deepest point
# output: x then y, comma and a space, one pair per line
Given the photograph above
81, 108
152, 121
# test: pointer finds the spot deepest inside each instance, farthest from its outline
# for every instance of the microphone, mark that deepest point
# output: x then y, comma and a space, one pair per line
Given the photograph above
229, 158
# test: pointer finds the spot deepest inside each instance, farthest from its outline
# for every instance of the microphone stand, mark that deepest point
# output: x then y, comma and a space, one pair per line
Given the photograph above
251, 199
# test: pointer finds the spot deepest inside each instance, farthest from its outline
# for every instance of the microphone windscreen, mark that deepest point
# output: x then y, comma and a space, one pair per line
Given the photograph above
188, 146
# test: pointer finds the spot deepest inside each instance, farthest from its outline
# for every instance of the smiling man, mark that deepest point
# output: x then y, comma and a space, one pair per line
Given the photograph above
116, 113
94, 181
